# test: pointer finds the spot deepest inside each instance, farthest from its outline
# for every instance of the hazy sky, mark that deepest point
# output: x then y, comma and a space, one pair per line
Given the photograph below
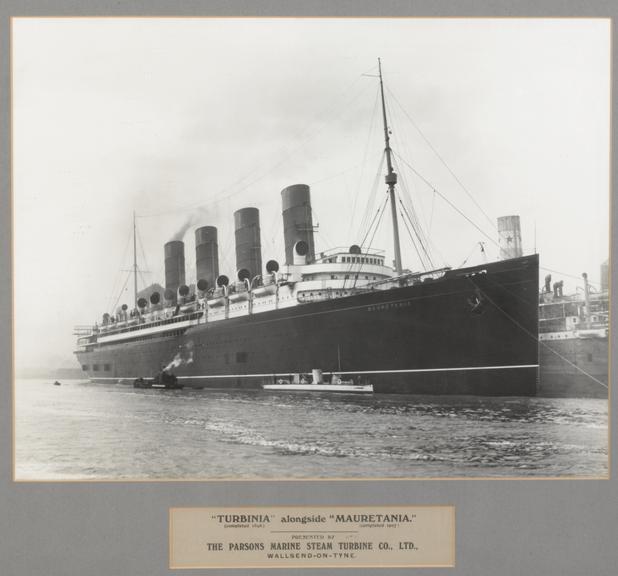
195, 118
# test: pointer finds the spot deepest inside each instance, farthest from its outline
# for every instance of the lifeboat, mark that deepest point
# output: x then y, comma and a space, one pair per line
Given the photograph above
217, 298
238, 292
266, 287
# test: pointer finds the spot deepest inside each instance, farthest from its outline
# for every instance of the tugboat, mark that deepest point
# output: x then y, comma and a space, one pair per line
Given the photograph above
163, 379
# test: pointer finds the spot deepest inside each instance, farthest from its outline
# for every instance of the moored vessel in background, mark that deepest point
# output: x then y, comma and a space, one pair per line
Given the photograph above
574, 340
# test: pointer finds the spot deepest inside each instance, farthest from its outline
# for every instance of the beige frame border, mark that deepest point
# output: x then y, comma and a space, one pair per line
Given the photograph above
319, 479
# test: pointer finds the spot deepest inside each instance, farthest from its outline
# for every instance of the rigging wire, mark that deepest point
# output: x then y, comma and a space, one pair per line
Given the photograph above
433, 149
227, 253
427, 261
323, 231
121, 291
141, 275
362, 172
374, 232
423, 264
119, 273
377, 218
380, 209
411, 211
375, 229
568, 275
406, 199
436, 192
372, 196
533, 336
469, 255
413, 218
293, 151
227, 248
147, 270
240, 185
406, 190
273, 232
418, 242
333, 176
433, 201
447, 200
408, 196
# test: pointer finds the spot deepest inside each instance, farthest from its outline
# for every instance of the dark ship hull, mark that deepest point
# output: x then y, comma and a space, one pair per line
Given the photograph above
473, 331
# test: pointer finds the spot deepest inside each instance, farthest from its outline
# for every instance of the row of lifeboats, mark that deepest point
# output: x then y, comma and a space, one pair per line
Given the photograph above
241, 291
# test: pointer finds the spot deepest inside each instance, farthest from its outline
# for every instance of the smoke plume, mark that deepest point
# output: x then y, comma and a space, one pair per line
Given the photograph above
199, 216
182, 358
190, 221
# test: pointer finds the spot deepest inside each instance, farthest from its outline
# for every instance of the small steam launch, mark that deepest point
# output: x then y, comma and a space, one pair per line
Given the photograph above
469, 330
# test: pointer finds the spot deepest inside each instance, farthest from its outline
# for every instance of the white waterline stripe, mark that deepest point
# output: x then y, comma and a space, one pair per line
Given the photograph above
271, 374
440, 369
369, 371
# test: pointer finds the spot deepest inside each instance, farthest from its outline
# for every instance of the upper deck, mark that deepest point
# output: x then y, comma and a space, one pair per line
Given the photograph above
337, 273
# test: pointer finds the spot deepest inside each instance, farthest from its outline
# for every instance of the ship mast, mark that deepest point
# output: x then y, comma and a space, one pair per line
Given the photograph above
390, 178
586, 300
134, 262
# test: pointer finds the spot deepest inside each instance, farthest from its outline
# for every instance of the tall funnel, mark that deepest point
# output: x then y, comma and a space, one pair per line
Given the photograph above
509, 237
297, 220
206, 255
605, 276
248, 246
174, 265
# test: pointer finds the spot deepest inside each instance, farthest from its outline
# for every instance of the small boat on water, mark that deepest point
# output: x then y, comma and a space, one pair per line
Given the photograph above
56, 383
162, 380
315, 383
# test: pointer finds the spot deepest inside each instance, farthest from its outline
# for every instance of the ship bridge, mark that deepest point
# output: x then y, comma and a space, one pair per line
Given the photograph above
342, 267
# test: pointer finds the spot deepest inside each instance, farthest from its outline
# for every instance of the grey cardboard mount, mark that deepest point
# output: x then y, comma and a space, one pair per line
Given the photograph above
506, 528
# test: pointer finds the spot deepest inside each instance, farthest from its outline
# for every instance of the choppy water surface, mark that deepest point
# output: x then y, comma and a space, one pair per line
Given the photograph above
112, 431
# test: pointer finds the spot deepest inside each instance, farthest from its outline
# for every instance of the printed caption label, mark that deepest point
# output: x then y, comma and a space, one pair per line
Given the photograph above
295, 537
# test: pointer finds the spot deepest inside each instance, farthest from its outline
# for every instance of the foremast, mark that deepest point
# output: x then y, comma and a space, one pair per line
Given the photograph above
391, 179
134, 263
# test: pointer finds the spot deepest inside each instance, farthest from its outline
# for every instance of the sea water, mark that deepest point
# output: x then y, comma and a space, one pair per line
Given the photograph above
81, 430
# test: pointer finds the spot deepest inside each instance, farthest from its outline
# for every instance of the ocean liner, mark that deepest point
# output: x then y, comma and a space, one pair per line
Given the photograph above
470, 330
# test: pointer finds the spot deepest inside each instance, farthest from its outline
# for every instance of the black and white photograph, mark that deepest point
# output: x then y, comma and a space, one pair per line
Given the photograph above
310, 248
